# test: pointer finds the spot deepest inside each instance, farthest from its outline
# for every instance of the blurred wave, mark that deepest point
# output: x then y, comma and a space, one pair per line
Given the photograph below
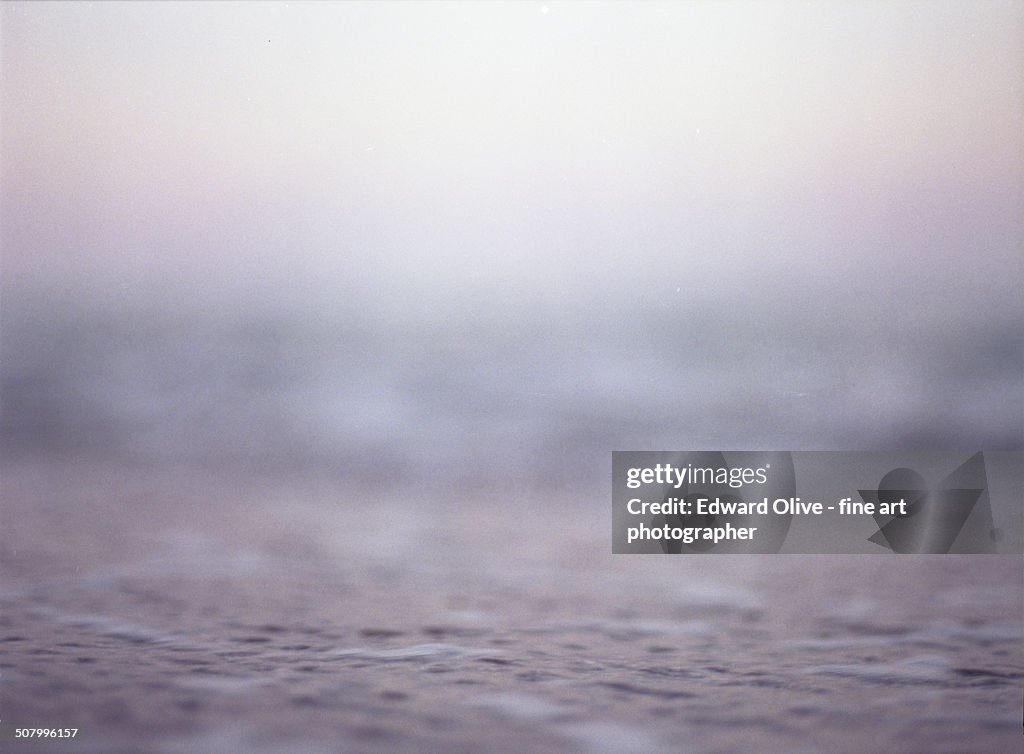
544, 399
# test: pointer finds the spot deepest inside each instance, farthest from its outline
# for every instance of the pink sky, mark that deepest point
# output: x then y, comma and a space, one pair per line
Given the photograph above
231, 151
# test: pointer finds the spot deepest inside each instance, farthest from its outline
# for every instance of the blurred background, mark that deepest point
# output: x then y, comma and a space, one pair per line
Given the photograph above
441, 242
319, 323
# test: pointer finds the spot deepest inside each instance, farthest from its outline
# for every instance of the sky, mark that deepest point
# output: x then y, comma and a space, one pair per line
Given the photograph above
412, 157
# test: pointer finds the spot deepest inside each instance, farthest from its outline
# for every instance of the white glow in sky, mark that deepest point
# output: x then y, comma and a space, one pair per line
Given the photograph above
316, 151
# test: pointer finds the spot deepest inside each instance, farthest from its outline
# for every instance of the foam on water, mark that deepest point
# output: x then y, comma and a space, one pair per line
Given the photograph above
416, 653
988, 633
109, 627
708, 595
917, 669
612, 738
520, 706
221, 684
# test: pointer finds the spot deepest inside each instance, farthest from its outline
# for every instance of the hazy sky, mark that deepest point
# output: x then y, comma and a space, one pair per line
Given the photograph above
527, 152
